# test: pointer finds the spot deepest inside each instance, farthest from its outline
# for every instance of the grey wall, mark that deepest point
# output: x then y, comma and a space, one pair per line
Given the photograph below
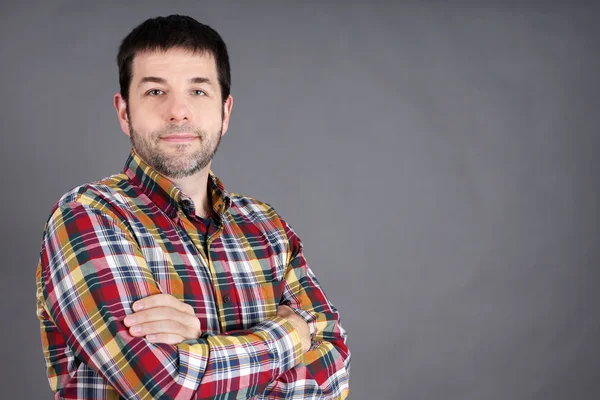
439, 163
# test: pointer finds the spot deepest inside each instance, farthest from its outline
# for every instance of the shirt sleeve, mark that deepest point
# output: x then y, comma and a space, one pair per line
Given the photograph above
91, 271
324, 369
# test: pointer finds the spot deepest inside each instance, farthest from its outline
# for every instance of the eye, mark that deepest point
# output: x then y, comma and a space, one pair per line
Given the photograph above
199, 92
154, 92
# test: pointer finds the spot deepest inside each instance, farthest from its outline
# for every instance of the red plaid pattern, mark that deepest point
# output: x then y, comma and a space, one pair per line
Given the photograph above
128, 236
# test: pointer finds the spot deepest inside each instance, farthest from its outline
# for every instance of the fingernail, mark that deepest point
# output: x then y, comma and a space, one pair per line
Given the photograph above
136, 329
151, 338
137, 306
129, 320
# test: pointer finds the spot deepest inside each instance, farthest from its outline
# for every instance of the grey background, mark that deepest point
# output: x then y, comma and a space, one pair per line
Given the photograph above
438, 161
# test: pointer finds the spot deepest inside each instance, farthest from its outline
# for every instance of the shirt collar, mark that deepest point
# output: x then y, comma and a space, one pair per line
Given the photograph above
165, 194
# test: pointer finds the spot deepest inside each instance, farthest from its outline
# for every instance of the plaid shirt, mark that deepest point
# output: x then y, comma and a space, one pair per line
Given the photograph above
132, 235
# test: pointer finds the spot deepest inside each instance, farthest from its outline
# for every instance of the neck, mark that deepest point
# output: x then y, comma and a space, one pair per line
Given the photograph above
195, 186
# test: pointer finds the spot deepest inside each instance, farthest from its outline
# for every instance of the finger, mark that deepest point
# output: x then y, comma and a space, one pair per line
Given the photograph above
164, 314
155, 314
163, 327
167, 338
162, 300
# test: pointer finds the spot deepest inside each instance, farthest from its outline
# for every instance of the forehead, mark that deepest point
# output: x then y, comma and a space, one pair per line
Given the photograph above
173, 64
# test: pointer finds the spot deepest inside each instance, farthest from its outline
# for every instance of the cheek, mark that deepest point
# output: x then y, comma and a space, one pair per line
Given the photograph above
146, 121
143, 130
147, 111
209, 119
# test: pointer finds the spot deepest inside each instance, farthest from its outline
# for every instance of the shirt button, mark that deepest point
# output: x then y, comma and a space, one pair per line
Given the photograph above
226, 299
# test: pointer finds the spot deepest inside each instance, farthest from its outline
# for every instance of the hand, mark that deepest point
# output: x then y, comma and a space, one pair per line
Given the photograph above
163, 319
299, 324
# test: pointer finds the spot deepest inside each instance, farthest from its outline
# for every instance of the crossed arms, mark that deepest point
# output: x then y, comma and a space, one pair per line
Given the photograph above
91, 272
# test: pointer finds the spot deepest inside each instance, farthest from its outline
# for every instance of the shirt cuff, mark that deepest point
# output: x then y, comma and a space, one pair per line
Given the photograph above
193, 357
283, 341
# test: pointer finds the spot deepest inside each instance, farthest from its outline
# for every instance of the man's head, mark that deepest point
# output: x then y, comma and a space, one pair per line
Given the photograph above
175, 97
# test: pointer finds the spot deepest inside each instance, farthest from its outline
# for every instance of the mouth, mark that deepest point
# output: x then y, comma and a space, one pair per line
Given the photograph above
179, 138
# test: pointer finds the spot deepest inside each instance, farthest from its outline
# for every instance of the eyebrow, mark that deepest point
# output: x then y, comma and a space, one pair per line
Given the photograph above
155, 79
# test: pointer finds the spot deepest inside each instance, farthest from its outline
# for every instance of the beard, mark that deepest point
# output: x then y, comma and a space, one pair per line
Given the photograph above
179, 162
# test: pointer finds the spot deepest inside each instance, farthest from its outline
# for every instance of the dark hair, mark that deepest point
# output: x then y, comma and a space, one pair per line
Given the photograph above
174, 31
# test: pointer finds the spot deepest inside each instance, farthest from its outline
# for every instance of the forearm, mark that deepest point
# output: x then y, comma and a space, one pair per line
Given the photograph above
287, 386
242, 364
238, 365
262, 360
322, 373
324, 369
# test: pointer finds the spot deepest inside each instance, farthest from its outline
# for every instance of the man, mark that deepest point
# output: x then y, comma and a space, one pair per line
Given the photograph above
158, 282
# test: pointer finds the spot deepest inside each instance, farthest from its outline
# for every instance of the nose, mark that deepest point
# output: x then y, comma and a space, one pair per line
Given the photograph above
178, 110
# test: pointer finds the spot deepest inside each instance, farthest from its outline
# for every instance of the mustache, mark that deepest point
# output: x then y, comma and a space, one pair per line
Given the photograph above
172, 128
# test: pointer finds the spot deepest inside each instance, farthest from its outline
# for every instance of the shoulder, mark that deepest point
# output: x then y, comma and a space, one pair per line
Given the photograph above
110, 195
259, 213
252, 208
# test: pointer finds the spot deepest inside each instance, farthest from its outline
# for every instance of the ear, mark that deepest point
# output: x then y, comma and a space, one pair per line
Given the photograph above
227, 113
121, 108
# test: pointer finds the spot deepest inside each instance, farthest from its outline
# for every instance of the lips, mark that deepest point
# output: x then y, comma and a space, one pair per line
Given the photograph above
179, 138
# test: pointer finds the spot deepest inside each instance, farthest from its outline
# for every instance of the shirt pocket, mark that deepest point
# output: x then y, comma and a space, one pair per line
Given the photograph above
258, 301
